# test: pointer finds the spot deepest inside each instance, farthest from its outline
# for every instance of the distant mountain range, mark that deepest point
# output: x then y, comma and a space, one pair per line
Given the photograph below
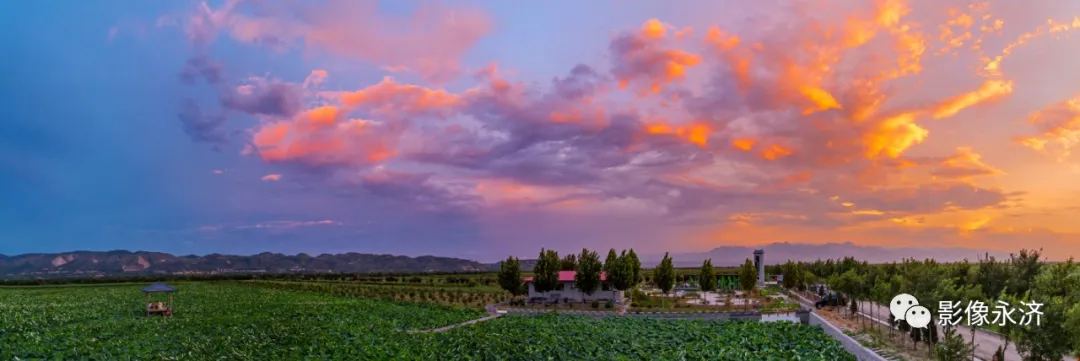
781, 252
89, 263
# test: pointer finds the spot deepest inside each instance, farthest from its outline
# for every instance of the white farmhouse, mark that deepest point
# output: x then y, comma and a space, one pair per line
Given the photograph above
567, 290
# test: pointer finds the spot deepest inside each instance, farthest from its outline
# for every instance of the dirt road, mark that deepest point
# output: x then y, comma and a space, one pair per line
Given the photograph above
451, 327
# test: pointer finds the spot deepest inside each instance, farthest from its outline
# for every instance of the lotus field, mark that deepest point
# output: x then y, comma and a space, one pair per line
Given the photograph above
229, 321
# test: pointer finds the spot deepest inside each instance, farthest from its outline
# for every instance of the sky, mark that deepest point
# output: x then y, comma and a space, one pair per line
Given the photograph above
481, 129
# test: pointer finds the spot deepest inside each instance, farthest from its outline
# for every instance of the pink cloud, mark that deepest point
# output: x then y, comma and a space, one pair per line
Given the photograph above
430, 41
802, 121
271, 177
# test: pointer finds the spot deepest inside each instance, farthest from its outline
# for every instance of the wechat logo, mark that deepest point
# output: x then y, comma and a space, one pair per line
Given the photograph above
906, 307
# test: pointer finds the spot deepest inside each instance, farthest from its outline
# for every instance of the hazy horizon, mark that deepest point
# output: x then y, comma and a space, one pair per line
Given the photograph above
801, 252
475, 129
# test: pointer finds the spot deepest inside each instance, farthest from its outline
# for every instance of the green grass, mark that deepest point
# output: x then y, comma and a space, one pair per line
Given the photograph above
242, 321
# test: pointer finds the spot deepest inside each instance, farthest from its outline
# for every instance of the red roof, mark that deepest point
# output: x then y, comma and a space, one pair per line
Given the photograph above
568, 276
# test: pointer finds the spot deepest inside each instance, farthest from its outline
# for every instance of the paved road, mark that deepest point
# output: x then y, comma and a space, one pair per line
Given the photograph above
986, 342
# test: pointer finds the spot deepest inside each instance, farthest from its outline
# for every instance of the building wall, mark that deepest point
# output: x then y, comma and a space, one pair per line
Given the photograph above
574, 294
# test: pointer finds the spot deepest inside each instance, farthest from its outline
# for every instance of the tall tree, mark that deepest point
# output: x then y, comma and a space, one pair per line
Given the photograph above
510, 276
568, 263
635, 265
611, 260
992, 275
788, 273
610, 263
620, 274
748, 277
664, 275
707, 279
1024, 268
546, 271
881, 293
1057, 288
587, 278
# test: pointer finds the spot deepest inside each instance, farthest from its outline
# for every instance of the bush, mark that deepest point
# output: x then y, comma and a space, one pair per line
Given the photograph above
595, 304
609, 305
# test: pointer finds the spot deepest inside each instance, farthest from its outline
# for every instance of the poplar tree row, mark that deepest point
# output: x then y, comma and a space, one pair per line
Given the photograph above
622, 271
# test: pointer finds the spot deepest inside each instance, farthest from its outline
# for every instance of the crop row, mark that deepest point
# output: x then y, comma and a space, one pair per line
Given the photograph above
446, 296
562, 337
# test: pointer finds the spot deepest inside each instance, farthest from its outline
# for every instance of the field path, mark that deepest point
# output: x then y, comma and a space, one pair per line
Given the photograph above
466, 323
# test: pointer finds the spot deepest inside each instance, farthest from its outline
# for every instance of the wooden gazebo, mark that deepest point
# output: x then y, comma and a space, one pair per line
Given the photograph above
152, 308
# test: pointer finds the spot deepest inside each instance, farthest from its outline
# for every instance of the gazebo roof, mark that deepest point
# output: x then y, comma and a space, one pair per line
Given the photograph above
159, 287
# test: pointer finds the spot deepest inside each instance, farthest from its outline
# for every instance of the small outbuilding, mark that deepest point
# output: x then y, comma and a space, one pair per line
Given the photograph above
158, 307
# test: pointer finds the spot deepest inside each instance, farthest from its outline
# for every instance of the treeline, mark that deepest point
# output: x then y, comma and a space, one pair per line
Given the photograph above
456, 278
621, 271
617, 271
1022, 278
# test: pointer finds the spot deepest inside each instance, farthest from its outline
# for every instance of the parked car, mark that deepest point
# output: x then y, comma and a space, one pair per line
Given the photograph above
832, 300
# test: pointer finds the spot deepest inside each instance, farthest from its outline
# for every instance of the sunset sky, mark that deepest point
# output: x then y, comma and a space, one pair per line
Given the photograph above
479, 129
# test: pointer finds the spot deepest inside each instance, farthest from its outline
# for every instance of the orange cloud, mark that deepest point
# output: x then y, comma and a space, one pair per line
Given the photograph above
646, 57
353, 142
989, 90
324, 115
744, 144
775, 152
992, 66
697, 134
738, 60
822, 100
955, 32
391, 97
1059, 127
271, 177
964, 164
893, 135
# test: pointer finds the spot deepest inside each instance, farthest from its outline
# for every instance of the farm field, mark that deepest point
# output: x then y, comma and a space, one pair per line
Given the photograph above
468, 297
585, 338
239, 321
